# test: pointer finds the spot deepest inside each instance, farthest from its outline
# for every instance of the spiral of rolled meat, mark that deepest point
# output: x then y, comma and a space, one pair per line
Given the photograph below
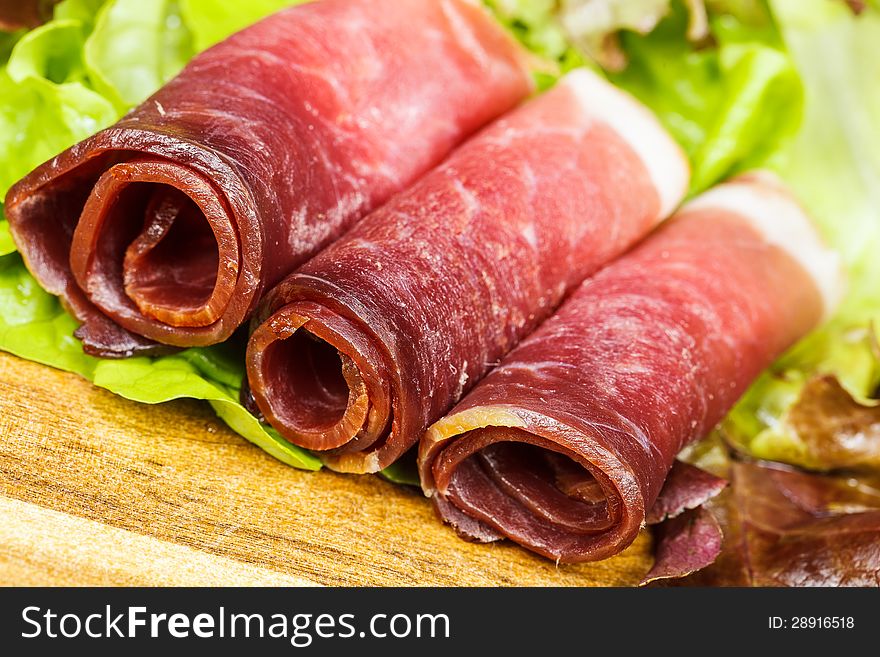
566, 445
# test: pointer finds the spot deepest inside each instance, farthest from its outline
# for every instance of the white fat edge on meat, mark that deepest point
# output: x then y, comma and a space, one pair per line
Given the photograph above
640, 129
763, 200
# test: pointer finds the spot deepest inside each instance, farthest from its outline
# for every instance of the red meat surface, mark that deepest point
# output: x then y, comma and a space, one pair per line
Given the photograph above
374, 339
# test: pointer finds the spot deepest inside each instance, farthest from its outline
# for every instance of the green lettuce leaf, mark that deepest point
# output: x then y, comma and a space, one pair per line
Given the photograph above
403, 471
835, 169
6, 244
537, 26
46, 102
731, 106
33, 324
732, 99
135, 47
83, 11
210, 21
7, 41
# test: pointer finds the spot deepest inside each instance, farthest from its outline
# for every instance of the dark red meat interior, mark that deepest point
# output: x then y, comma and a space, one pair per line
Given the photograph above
173, 262
313, 392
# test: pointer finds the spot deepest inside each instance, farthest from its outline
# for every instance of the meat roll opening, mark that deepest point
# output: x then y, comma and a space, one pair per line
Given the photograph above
306, 368
525, 483
551, 487
161, 236
170, 270
317, 379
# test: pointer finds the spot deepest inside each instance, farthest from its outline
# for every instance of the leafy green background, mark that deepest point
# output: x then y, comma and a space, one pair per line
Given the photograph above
834, 167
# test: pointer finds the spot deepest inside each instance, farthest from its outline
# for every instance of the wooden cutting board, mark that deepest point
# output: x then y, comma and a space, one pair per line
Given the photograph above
97, 490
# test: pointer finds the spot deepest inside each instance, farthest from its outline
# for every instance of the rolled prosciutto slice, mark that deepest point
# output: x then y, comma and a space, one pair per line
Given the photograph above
566, 445
360, 350
167, 226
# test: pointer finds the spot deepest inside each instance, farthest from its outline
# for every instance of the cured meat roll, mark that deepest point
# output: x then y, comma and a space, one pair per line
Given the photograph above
167, 226
565, 446
16, 14
360, 350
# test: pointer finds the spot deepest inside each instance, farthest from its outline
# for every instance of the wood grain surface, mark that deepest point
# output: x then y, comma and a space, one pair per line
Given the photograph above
95, 489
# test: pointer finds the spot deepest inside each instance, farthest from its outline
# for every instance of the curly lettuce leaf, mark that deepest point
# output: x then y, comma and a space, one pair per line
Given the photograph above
211, 21
33, 325
834, 167
783, 527
46, 104
716, 74
593, 25
135, 47
537, 26
731, 106
7, 246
